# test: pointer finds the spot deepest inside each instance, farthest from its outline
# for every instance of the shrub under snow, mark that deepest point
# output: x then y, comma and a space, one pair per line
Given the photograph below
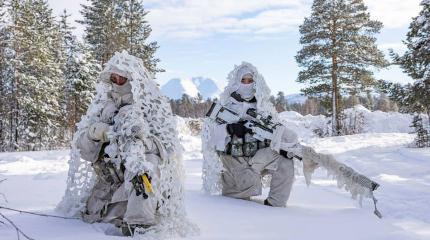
357, 120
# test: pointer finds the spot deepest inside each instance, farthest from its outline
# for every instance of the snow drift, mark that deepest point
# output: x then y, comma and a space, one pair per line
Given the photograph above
358, 117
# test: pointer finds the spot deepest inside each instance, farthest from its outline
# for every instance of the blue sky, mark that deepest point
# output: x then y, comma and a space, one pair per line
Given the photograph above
208, 37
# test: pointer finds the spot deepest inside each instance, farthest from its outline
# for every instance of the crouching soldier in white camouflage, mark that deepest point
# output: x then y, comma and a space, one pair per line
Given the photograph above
235, 161
125, 167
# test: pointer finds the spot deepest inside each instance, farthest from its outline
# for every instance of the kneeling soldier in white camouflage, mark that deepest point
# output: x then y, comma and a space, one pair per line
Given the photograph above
235, 161
128, 139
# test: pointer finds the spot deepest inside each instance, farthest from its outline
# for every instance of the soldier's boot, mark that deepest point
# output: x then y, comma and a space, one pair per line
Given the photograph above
130, 229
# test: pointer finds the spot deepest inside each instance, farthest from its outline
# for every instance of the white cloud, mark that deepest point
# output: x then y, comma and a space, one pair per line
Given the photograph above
201, 18
263, 18
198, 18
393, 13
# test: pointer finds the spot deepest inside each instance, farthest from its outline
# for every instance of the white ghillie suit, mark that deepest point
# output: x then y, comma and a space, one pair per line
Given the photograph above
143, 137
240, 177
214, 138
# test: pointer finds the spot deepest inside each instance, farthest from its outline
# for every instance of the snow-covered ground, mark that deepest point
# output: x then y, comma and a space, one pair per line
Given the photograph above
36, 182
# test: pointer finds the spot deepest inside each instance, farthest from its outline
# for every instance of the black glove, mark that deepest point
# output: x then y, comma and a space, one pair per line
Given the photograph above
285, 154
238, 129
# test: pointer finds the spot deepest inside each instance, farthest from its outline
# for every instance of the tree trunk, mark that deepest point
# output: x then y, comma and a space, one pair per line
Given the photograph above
428, 117
3, 114
336, 124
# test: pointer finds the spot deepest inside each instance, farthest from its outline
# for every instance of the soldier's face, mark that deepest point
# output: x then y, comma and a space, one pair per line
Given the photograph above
118, 79
247, 80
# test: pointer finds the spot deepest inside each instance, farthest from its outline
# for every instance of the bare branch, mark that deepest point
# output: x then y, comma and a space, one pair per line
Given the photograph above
2, 194
18, 230
37, 214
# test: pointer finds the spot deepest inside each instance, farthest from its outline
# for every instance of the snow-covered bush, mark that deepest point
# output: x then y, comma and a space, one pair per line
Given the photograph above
306, 126
356, 120
352, 122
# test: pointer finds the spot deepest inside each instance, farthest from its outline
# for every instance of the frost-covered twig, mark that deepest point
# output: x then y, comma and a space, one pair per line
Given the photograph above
18, 230
4, 197
2, 194
37, 214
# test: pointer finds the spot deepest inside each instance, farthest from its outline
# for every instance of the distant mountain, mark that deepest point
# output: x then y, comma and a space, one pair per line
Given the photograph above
176, 87
207, 87
295, 98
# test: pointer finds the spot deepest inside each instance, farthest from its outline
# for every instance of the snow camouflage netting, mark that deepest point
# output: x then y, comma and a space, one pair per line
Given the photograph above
150, 119
343, 175
212, 166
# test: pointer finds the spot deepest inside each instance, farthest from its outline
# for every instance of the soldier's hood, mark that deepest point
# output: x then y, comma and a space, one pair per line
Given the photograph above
262, 91
147, 97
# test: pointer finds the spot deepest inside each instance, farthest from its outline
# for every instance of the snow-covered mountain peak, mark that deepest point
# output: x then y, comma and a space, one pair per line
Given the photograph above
176, 87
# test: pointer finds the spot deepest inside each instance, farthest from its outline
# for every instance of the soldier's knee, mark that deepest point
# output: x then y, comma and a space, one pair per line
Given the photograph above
286, 167
247, 178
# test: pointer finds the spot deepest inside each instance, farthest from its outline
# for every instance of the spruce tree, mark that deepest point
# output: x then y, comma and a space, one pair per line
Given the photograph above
36, 75
82, 82
280, 102
416, 61
10, 110
422, 138
339, 51
103, 33
5, 75
116, 25
137, 31
369, 100
80, 72
383, 103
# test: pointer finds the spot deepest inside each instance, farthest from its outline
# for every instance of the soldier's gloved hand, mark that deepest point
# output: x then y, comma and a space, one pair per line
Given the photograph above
286, 154
238, 129
98, 131
142, 185
108, 112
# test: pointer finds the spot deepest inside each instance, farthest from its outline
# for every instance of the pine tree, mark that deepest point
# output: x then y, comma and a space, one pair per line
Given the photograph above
35, 76
9, 110
81, 85
311, 106
115, 25
416, 61
369, 100
351, 101
5, 76
102, 19
281, 102
400, 94
137, 31
422, 139
383, 103
80, 72
339, 51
